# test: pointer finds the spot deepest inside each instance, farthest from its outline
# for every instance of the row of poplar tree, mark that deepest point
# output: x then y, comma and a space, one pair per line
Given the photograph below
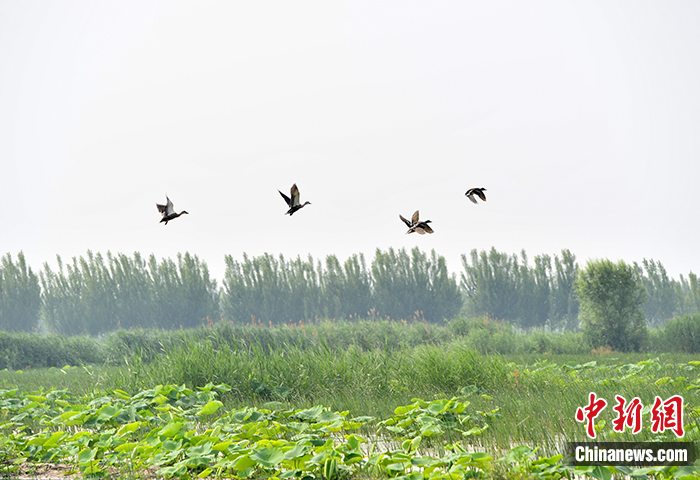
509, 288
96, 293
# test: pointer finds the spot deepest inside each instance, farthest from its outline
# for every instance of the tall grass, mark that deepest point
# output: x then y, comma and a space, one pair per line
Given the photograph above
351, 378
483, 335
25, 350
533, 395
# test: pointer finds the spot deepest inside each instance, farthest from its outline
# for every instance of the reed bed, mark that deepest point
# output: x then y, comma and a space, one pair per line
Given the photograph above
370, 369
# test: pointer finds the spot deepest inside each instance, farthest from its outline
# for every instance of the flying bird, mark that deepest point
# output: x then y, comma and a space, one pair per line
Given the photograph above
479, 192
168, 211
415, 225
293, 202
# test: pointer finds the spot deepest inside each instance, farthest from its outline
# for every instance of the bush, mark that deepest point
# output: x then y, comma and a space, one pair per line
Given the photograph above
683, 334
24, 350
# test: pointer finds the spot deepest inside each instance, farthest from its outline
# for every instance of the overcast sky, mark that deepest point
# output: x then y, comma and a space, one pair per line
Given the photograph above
582, 120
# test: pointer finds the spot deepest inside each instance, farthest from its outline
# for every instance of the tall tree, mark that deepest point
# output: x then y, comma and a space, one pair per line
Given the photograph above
357, 291
255, 288
91, 296
691, 301
182, 292
661, 302
20, 295
564, 304
611, 296
490, 283
542, 276
134, 295
345, 289
414, 286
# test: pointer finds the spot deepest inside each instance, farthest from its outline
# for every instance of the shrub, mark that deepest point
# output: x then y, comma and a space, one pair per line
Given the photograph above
683, 334
24, 350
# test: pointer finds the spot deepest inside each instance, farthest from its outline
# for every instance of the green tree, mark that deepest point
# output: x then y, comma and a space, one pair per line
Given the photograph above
533, 291
611, 296
563, 302
94, 296
491, 286
661, 302
256, 288
182, 292
345, 290
689, 294
77, 299
408, 286
20, 295
134, 296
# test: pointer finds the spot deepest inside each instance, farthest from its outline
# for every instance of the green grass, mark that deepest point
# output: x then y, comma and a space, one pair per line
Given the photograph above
524, 388
535, 395
516, 421
179, 432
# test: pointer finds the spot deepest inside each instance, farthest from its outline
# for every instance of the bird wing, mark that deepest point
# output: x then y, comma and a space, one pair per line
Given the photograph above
166, 209
427, 228
286, 199
295, 195
408, 224
476, 191
414, 219
169, 209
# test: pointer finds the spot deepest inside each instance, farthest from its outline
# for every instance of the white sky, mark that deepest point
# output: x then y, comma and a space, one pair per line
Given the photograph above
582, 120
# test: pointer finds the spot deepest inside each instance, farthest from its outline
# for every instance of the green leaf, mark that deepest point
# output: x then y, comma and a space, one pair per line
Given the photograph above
244, 462
121, 394
221, 446
126, 447
403, 410
297, 451
108, 412
171, 445
328, 417
128, 428
311, 414
204, 473
268, 457
170, 429
196, 462
688, 471
174, 471
519, 454
330, 468
438, 406
210, 408
87, 455
200, 450
600, 473
54, 439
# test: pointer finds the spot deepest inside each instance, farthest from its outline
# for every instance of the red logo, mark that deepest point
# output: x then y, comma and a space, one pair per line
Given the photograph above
590, 412
665, 415
668, 415
628, 417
